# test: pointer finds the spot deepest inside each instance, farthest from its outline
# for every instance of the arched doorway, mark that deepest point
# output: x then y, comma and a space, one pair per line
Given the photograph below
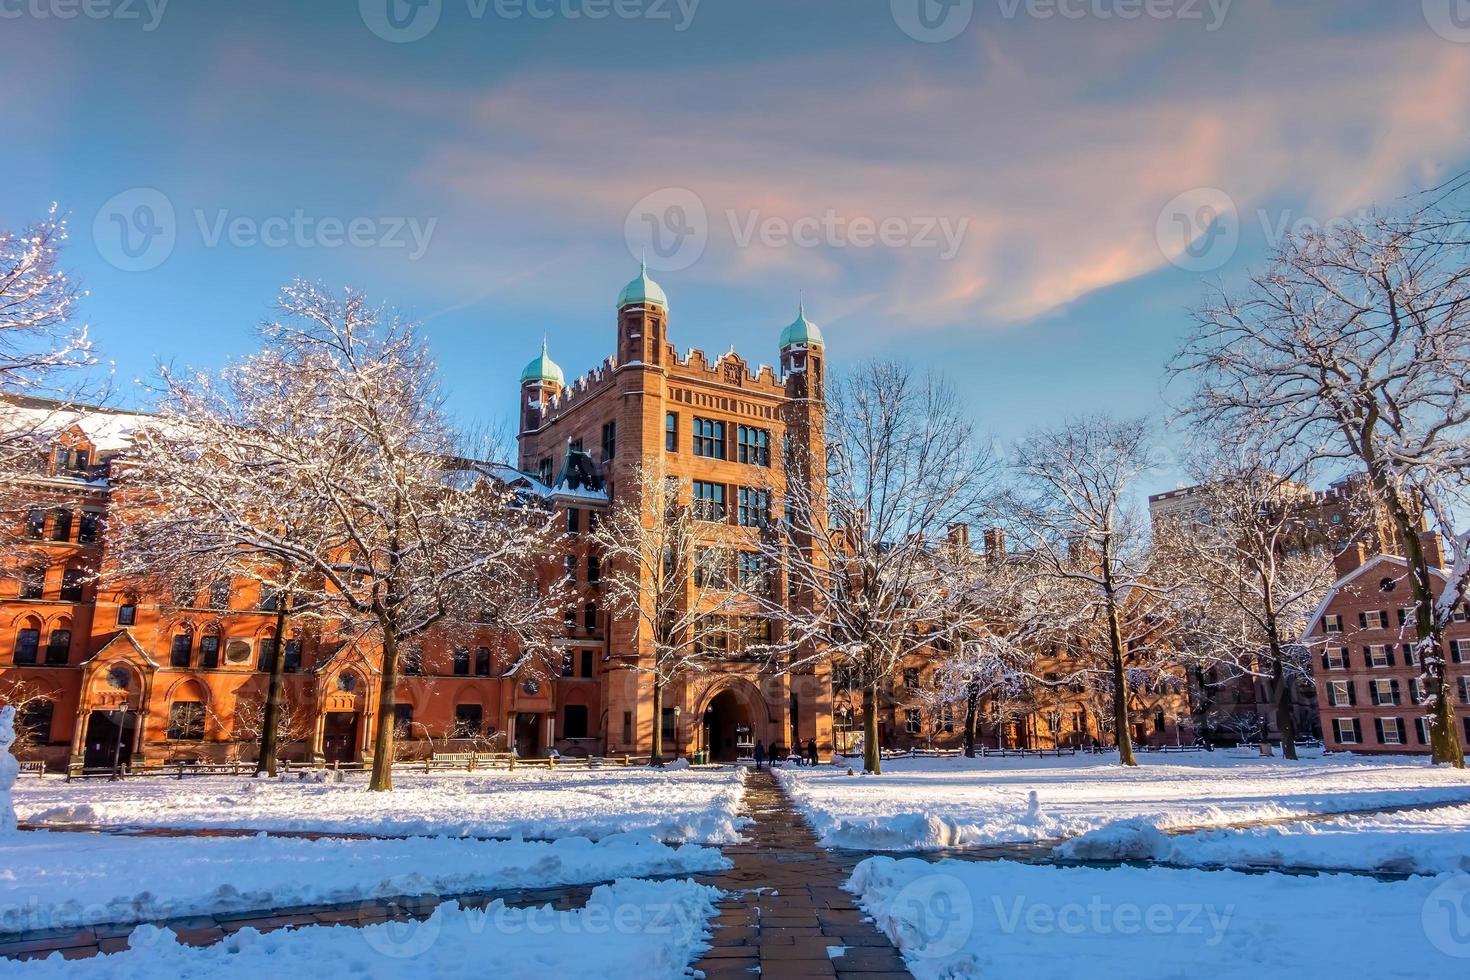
109, 739
728, 728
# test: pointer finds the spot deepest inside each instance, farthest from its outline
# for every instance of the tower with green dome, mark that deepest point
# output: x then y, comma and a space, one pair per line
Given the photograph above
541, 382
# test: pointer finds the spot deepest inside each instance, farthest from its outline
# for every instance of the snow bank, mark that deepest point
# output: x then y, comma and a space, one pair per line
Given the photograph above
1134, 839
672, 804
628, 929
956, 919
959, 802
53, 880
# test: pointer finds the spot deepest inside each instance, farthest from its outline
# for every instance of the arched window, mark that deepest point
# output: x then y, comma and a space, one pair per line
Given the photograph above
27, 642
209, 649
58, 644
181, 649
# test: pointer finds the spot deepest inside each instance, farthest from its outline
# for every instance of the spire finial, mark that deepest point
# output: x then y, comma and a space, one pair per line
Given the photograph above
801, 304
643, 264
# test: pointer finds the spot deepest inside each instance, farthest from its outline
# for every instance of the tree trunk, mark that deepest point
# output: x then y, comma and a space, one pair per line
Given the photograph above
1120, 678
383, 739
1444, 739
1281, 696
656, 753
275, 695
972, 717
872, 755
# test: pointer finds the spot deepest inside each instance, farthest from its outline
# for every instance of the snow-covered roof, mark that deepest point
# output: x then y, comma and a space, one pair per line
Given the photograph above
1337, 586
111, 430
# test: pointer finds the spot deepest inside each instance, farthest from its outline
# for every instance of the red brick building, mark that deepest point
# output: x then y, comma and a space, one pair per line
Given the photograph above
1362, 641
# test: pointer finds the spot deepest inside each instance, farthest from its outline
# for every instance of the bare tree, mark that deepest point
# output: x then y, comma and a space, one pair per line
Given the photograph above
863, 584
212, 496
1074, 509
1252, 555
255, 712
667, 568
420, 539
1354, 343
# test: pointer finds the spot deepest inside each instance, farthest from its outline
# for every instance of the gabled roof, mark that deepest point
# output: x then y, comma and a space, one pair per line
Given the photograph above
1337, 586
128, 642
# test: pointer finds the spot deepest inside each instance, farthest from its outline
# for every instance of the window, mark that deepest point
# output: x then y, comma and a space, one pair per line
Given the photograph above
1372, 619
1380, 655
568, 663
753, 445
1421, 730
1390, 730
586, 663
912, 722
1416, 691
267, 661
82, 459
1158, 721
127, 614
946, 718
574, 520
1458, 613
671, 432
589, 616
571, 562
594, 569
1345, 730
1465, 690
413, 663
1411, 657
709, 438
402, 718
1459, 651
543, 470
269, 599
219, 594
711, 568
186, 721
627, 728
482, 662
670, 723
1385, 692
754, 573
209, 651
469, 720
58, 648
180, 650
711, 635
1340, 694
27, 642
461, 662
36, 523
754, 509
911, 678
90, 528
71, 585
61, 526
35, 719
755, 630
33, 583
1335, 658
574, 721
1332, 624
569, 620
709, 500
609, 440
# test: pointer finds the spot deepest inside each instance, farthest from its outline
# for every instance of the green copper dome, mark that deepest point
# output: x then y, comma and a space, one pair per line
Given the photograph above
803, 332
642, 290
543, 368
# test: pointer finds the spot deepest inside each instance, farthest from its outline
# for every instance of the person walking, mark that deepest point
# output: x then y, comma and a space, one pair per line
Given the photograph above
760, 754
811, 751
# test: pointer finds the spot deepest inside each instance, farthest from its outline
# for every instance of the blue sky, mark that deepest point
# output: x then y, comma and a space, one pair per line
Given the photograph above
1069, 149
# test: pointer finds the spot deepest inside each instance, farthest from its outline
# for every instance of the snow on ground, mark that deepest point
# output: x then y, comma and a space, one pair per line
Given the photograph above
1412, 842
677, 804
628, 929
957, 802
1004, 920
55, 879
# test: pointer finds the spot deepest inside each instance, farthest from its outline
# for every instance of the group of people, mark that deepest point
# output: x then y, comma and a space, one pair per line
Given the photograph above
802, 757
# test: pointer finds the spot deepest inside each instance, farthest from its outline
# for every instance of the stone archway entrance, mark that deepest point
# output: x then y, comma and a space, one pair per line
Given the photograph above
728, 729
109, 739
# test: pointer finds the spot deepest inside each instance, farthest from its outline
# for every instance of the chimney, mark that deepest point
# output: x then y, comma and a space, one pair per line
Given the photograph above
959, 535
1350, 559
1433, 548
995, 542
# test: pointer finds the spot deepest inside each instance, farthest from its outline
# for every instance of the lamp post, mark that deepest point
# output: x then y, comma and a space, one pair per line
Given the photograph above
677, 711
117, 743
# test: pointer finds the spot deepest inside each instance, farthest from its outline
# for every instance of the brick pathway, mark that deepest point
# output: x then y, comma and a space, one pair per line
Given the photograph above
787, 915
